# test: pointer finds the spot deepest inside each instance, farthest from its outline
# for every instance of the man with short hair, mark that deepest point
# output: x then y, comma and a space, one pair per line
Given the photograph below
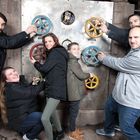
13, 42
121, 36
125, 98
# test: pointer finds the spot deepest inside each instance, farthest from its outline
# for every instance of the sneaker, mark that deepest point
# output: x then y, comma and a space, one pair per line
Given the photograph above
3, 137
59, 135
79, 131
25, 137
117, 128
103, 133
75, 135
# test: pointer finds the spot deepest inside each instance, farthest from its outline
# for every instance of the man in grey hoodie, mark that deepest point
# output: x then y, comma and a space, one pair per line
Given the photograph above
125, 98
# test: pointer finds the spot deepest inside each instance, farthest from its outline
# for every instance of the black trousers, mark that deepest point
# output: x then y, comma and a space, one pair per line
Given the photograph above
73, 112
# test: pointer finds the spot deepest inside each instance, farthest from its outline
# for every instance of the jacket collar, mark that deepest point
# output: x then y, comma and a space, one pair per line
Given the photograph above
71, 56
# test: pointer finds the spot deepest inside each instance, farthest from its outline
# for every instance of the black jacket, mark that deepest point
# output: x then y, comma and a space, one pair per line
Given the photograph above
11, 42
119, 35
21, 100
55, 71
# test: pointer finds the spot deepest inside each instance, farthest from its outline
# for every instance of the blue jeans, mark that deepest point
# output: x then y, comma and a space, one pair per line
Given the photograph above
127, 118
32, 125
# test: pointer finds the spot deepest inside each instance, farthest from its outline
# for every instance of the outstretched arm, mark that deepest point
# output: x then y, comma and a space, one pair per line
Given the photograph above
115, 33
18, 40
118, 34
128, 64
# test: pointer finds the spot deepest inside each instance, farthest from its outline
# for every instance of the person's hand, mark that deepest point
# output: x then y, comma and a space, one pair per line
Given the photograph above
91, 75
32, 34
103, 27
31, 30
101, 56
32, 60
35, 80
101, 20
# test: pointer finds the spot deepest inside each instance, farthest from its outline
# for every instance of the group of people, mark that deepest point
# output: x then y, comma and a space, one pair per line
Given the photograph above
64, 81
18, 97
18, 105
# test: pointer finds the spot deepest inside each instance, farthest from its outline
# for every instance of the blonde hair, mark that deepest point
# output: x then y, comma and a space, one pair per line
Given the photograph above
3, 109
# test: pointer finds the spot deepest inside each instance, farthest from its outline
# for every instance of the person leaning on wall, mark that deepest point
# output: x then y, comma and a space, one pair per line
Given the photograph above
55, 72
76, 88
15, 41
18, 104
125, 98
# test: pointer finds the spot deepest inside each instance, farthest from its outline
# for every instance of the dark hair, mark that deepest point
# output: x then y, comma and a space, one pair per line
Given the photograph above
71, 44
55, 38
3, 109
133, 15
3, 17
3, 77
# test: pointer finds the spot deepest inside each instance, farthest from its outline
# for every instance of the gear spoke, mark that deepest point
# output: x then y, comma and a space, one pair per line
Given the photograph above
92, 27
92, 82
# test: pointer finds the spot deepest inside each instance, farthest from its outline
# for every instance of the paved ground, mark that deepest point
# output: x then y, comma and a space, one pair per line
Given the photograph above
89, 134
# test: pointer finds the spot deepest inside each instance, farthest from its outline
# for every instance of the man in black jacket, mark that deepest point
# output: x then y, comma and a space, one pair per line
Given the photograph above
118, 34
13, 42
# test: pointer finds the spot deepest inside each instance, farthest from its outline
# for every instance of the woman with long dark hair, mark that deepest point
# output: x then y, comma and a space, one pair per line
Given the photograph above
55, 71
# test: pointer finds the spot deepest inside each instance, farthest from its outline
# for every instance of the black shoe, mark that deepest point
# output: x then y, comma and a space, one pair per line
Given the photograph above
59, 135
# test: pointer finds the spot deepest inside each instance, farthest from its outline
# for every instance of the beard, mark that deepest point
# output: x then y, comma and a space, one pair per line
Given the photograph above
2, 33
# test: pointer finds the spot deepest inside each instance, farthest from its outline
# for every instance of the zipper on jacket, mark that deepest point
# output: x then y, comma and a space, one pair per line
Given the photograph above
125, 87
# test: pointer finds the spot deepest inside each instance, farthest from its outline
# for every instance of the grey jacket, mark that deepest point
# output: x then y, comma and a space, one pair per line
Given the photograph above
127, 87
75, 79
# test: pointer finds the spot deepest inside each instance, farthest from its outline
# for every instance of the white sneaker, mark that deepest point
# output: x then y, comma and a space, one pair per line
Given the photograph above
117, 128
103, 133
25, 137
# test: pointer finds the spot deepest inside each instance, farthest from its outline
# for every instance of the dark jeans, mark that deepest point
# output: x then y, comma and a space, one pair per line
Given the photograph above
73, 112
127, 118
32, 125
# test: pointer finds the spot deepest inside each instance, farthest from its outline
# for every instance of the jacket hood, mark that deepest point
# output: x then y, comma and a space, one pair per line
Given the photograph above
62, 51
